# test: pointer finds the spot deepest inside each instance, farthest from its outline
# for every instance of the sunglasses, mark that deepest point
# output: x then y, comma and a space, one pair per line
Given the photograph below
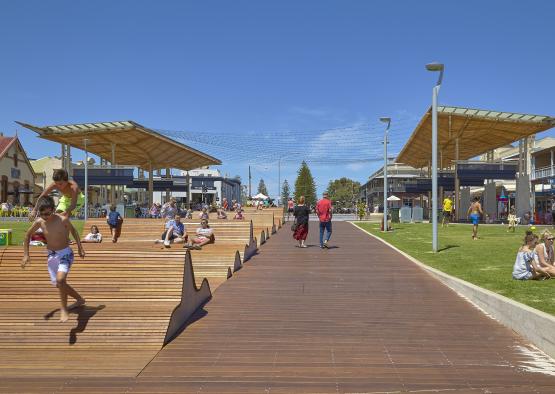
550, 239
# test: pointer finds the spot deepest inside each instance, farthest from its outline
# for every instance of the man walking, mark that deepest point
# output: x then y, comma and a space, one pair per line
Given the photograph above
323, 210
447, 211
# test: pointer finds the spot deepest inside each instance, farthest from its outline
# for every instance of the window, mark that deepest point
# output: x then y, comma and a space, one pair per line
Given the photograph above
15, 159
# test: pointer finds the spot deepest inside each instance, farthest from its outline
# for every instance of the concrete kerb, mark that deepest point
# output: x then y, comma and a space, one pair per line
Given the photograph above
536, 326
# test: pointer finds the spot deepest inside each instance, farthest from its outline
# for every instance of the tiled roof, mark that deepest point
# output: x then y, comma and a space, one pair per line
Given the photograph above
5, 143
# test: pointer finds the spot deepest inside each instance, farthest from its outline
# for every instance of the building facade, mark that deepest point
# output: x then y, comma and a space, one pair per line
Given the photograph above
398, 175
17, 178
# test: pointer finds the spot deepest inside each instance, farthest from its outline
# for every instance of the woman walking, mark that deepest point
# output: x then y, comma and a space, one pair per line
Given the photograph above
301, 214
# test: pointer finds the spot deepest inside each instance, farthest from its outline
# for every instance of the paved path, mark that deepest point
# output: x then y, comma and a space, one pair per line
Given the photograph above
355, 318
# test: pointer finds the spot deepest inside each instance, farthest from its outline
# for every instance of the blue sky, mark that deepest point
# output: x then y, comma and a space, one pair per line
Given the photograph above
236, 67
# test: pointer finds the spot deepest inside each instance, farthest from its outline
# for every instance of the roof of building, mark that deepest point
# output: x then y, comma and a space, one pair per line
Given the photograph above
5, 144
135, 144
477, 131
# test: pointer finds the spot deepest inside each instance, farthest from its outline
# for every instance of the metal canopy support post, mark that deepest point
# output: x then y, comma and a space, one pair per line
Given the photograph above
457, 182
69, 170
150, 185
188, 180
551, 168
168, 176
112, 187
85, 141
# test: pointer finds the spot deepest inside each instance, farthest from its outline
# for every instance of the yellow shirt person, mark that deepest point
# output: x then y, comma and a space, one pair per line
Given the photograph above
447, 209
447, 204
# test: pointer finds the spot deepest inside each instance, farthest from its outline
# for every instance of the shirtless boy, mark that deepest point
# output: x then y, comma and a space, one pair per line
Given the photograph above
56, 229
475, 210
72, 198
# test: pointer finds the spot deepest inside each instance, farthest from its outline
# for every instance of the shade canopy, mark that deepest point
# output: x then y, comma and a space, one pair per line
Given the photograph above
260, 196
393, 198
478, 131
133, 144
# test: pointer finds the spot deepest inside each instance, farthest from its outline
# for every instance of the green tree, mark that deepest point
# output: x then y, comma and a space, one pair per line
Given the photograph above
305, 185
285, 193
343, 192
361, 210
262, 187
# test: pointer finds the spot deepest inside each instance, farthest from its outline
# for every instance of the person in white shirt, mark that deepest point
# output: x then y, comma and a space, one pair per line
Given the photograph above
205, 235
94, 236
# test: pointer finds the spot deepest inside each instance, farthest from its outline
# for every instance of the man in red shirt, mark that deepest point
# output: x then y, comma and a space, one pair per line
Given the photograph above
323, 210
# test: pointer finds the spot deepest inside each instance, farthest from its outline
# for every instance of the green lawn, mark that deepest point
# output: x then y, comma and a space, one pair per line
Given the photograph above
487, 262
19, 229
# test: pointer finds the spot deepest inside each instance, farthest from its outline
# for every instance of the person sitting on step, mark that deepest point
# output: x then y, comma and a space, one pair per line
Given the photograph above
94, 236
174, 232
205, 235
221, 214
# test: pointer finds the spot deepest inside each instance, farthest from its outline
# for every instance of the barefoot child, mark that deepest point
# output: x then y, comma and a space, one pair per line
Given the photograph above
115, 221
56, 229
71, 199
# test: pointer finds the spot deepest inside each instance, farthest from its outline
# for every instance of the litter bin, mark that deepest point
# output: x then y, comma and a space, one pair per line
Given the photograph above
394, 215
5, 237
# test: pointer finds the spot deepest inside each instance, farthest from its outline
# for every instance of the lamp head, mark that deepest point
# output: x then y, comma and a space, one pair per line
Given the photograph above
435, 66
385, 120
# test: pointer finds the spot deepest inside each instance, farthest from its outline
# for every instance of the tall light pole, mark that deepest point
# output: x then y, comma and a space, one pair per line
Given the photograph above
85, 141
279, 183
435, 67
388, 121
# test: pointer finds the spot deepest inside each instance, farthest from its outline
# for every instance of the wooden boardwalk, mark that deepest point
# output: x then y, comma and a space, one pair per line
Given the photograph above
356, 318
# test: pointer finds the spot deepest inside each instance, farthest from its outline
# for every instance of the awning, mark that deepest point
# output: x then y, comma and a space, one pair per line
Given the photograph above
478, 131
134, 144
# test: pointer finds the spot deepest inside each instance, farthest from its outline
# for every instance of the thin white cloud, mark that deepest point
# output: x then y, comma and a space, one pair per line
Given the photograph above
314, 112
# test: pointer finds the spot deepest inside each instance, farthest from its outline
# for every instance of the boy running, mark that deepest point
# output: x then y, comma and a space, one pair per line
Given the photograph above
56, 228
72, 197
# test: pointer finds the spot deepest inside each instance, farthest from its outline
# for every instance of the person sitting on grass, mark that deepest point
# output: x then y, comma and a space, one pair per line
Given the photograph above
174, 232
221, 214
239, 215
205, 235
94, 236
115, 221
544, 253
525, 266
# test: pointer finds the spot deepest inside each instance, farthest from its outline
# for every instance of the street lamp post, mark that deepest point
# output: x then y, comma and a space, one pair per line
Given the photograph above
388, 121
85, 141
279, 183
435, 67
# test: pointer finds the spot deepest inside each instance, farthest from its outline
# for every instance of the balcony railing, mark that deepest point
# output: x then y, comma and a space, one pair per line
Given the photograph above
544, 172
392, 189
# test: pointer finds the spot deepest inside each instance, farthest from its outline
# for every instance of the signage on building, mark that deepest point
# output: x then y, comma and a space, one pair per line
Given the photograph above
16, 173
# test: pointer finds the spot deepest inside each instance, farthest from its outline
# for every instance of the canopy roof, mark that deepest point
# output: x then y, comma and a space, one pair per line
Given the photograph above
478, 131
260, 196
135, 145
